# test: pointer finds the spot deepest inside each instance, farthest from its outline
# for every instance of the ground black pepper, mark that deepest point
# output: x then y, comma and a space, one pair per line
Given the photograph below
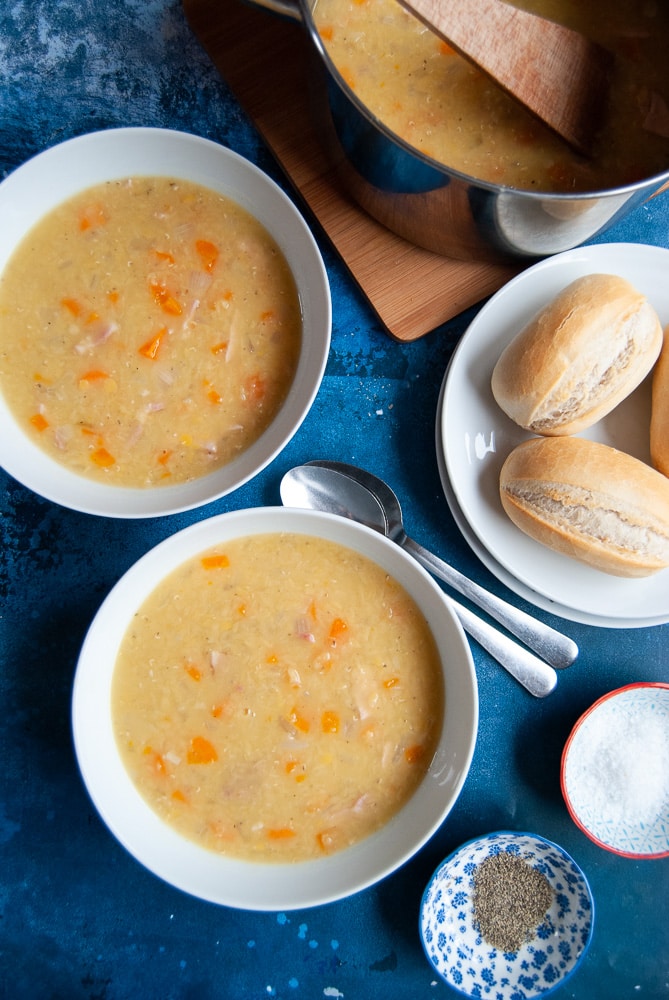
511, 899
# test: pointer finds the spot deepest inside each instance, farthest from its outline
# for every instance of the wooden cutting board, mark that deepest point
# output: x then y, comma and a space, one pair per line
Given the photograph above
263, 60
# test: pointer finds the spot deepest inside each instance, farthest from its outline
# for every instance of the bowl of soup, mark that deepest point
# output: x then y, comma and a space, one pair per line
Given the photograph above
165, 322
274, 709
442, 156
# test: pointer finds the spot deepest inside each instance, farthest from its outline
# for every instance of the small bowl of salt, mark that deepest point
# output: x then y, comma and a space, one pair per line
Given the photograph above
615, 771
507, 915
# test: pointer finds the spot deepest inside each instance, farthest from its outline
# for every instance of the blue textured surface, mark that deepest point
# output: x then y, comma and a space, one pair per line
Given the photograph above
79, 919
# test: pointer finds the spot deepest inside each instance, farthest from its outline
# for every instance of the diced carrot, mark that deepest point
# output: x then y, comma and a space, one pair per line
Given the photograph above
95, 375
338, 628
208, 253
72, 306
92, 217
254, 388
102, 458
163, 255
192, 671
39, 422
326, 32
201, 751
291, 766
215, 561
271, 658
414, 754
92, 317
266, 315
330, 722
113, 295
347, 76
89, 432
220, 348
217, 711
391, 682
228, 295
298, 721
446, 49
164, 456
164, 299
179, 796
159, 765
214, 397
280, 833
151, 347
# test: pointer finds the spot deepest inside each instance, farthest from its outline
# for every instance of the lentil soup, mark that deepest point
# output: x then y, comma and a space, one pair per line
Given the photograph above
278, 697
436, 101
150, 330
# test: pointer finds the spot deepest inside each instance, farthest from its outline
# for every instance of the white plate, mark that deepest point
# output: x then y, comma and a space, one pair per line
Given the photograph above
226, 880
61, 171
475, 436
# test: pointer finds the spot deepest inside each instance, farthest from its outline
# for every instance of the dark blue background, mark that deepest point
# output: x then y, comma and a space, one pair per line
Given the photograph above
78, 917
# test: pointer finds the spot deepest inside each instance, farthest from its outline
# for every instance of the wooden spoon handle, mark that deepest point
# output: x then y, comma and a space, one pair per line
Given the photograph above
559, 74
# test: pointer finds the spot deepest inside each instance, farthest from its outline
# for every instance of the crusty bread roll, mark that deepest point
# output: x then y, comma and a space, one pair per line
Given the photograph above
578, 357
589, 501
659, 414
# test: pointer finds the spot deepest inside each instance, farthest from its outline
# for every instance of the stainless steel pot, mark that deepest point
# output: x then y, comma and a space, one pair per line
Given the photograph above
432, 205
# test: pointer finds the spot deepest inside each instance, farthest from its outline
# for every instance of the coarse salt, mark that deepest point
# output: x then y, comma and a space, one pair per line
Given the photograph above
623, 774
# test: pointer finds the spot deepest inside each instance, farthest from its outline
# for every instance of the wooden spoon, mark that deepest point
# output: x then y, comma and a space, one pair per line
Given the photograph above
557, 73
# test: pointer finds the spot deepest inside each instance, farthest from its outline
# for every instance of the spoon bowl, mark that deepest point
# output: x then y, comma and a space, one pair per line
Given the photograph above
354, 493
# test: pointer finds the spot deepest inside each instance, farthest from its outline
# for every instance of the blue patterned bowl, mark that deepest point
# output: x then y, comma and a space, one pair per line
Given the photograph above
459, 953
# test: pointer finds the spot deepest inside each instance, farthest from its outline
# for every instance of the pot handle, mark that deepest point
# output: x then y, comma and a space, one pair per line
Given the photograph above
285, 8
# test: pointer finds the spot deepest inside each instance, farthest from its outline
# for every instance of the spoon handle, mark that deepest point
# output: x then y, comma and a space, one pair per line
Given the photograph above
554, 647
536, 676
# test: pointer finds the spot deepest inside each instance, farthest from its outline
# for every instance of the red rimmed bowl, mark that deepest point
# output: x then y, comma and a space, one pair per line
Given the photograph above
615, 771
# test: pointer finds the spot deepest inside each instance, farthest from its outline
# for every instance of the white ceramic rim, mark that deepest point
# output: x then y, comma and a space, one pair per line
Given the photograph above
565, 765
470, 420
245, 885
58, 173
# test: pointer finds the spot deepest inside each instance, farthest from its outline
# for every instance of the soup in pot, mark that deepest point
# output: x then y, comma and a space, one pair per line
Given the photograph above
436, 101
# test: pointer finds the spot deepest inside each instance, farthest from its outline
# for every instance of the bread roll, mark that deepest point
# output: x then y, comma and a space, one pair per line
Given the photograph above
578, 357
589, 501
659, 414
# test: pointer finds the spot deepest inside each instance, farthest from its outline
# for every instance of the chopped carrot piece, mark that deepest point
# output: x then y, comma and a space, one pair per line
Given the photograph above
159, 765
299, 721
266, 315
446, 49
280, 833
414, 754
220, 348
338, 627
215, 561
330, 722
326, 32
217, 711
92, 217
391, 682
201, 751
179, 796
39, 422
164, 299
272, 658
348, 76
254, 388
95, 375
214, 397
164, 456
103, 458
113, 296
151, 347
192, 671
92, 317
72, 306
164, 255
291, 766
208, 253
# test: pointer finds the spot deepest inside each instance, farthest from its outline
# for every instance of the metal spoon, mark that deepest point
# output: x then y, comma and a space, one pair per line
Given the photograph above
321, 486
